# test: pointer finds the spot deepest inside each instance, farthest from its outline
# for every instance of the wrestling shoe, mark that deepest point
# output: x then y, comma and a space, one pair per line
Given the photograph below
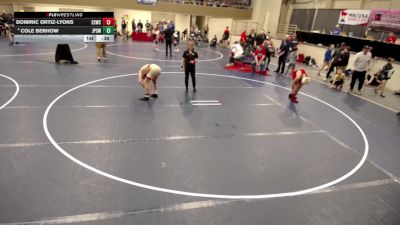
145, 98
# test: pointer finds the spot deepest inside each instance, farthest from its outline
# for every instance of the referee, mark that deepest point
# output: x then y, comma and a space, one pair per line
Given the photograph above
189, 63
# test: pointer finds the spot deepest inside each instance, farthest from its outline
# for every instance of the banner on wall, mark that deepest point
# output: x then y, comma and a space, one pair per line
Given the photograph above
150, 2
385, 19
354, 17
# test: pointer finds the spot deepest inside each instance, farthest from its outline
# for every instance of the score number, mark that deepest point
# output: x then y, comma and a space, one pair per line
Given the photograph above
108, 30
108, 21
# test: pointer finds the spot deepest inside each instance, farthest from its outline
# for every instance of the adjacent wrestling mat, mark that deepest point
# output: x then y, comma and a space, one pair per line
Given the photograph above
78, 147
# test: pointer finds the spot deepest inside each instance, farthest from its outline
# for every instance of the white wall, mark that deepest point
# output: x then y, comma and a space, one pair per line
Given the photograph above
182, 22
7, 8
318, 53
132, 14
217, 26
394, 4
347, 4
378, 4
157, 16
266, 14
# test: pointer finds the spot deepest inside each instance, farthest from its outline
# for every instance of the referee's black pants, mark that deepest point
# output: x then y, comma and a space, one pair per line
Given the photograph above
190, 69
168, 44
360, 76
281, 63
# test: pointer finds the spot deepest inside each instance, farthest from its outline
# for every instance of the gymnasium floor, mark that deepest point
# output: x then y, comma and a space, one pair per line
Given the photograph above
77, 147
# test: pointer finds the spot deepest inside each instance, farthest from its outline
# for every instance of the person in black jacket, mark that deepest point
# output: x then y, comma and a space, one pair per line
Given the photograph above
384, 75
139, 26
260, 38
344, 58
293, 42
251, 39
214, 41
336, 58
123, 30
168, 35
283, 52
133, 26
189, 65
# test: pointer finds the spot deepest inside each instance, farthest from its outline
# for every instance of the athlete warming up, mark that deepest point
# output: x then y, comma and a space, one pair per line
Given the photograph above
300, 78
147, 78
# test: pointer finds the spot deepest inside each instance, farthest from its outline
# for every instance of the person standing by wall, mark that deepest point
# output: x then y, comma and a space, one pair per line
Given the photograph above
10, 30
133, 26
168, 36
156, 35
140, 26
184, 34
260, 38
292, 59
2, 26
292, 41
171, 26
189, 65
115, 29
327, 58
283, 52
345, 58
123, 30
251, 39
148, 27
225, 37
361, 64
206, 31
337, 57
243, 39
270, 49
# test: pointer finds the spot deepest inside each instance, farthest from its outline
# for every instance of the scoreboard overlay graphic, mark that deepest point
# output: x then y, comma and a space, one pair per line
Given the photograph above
64, 26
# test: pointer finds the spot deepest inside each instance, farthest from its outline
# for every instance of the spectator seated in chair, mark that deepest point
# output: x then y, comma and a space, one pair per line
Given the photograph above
236, 53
